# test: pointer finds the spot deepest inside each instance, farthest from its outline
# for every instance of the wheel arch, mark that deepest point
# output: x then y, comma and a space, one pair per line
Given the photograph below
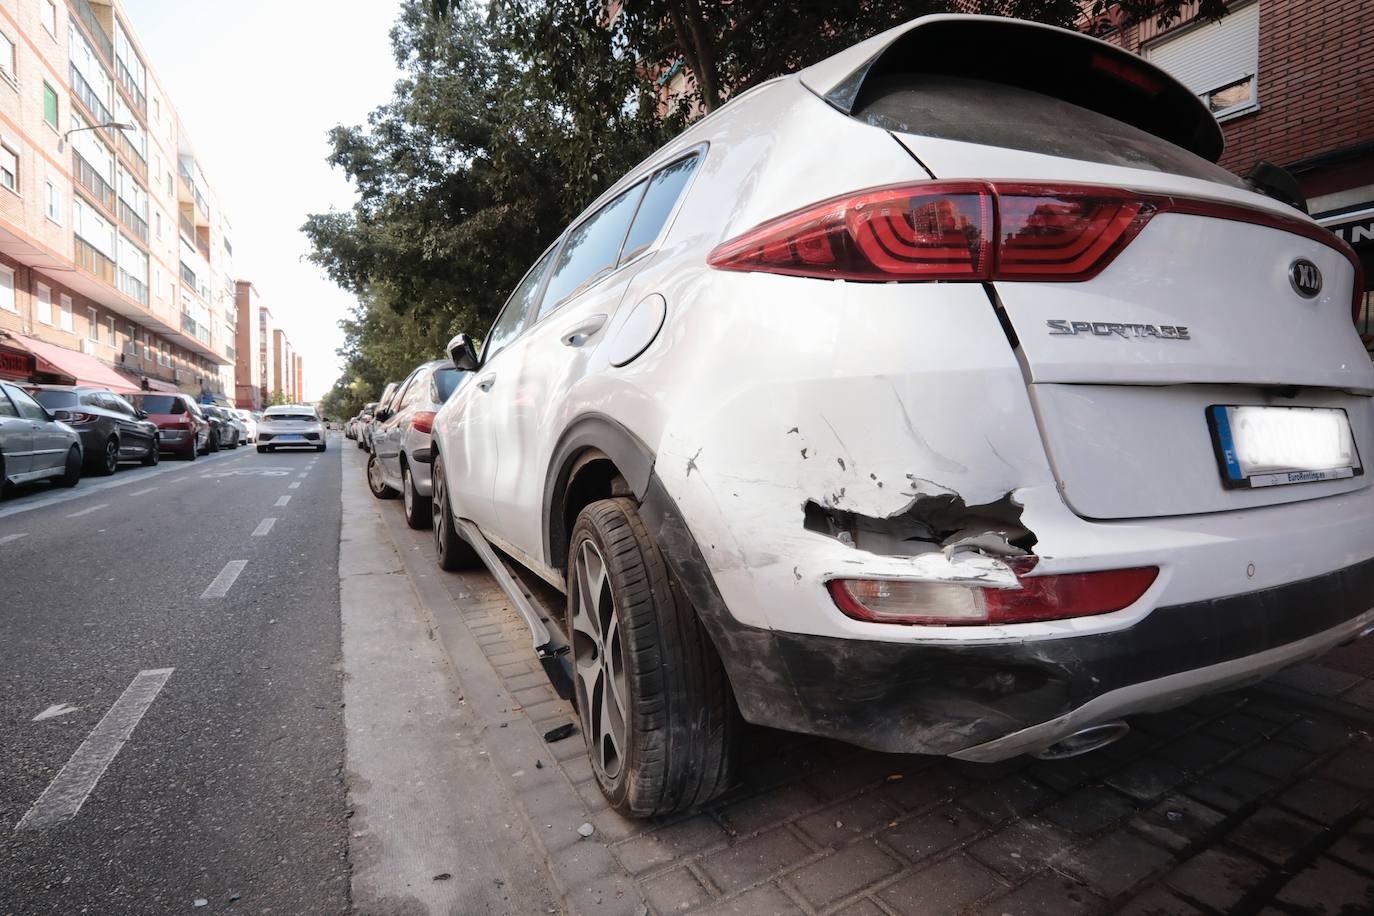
593, 453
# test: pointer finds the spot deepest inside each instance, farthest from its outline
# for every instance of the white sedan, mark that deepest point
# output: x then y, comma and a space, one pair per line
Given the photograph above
290, 425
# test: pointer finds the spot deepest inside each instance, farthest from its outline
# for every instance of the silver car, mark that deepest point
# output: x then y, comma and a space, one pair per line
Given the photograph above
401, 438
34, 443
290, 425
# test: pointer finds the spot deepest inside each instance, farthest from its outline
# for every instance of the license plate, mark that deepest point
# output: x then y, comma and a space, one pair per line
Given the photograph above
1273, 446
290, 437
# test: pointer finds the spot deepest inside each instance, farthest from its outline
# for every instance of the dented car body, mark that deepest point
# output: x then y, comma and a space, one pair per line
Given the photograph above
857, 391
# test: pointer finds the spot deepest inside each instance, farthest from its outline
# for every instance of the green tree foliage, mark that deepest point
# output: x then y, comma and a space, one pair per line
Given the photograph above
513, 115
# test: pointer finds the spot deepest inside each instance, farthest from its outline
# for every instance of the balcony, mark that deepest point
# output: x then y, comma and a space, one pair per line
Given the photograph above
94, 105
133, 221
131, 89
188, 228
93, 182
133, 287
188, 277
132, 155
93, 261
97, 31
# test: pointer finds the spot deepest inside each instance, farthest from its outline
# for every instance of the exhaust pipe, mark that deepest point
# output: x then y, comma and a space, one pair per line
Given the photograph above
1084, 741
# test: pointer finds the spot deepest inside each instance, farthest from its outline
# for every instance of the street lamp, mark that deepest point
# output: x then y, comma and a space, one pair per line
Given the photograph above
119, 125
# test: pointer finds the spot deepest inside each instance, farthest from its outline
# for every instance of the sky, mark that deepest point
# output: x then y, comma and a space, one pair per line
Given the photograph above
257, 84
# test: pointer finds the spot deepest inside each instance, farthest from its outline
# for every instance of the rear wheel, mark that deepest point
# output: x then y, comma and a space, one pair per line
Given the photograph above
212, 443
450, 550
72, 473
657, 713
375, 483
191, 451
262, 449
419, 510
154, 454
108, 461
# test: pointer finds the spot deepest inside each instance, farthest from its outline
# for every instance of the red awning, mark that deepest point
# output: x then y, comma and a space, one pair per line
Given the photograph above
80, 368
159, 385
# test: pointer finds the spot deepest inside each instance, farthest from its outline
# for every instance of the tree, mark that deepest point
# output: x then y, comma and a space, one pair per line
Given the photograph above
278, 398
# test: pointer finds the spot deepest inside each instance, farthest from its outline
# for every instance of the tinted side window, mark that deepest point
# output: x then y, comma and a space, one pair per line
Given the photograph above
443, 383
6, 408
513, 317
664, 190
592, 249
417, 395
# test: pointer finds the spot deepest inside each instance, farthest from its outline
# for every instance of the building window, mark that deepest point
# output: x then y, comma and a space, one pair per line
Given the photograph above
111, 330
9, 168
42, 308
157, 220
54, 202
50, 106
66, 314
50, 17
7, 65
92, 325
7, 289
130, 346
1217, 60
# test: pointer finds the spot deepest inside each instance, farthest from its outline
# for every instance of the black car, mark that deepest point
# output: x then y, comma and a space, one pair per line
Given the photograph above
112, 430
224, 431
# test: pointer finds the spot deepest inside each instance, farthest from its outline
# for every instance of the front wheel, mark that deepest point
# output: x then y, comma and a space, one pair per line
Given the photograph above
657, 713
419, 510
375, 483
71, 473
212, 444
450, 550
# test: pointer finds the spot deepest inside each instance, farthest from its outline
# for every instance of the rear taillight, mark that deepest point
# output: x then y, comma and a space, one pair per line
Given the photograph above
423, 421
1051, 597
976, 231
78, 416
178, 424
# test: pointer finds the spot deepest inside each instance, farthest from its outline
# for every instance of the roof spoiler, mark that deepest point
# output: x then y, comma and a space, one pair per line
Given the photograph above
1056, 62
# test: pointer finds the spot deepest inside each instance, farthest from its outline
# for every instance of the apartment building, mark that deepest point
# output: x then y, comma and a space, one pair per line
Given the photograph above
1284, 79
266, 368
115, 258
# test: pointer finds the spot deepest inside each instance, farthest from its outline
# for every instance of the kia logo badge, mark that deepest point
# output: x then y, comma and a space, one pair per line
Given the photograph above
1306, 278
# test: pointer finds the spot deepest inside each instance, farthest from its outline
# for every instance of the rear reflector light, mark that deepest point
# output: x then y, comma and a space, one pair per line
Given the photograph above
976, 231
1052, 597
423, 421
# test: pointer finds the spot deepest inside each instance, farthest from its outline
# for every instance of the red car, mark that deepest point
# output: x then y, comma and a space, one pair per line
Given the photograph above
184, 429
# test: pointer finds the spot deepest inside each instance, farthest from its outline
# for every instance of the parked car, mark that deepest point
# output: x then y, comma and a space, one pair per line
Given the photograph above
290, 425
35, 443
223, 425
399, 462
249, 424
111, 429
364, 419
182, 429
1044, 460
388, 393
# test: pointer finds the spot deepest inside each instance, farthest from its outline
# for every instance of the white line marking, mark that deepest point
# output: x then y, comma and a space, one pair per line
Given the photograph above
283, 500
302, 476
11, 538
225, 580
263, 527
43, 499
69, 790
293, 485
144, 492
88, 510
52, 712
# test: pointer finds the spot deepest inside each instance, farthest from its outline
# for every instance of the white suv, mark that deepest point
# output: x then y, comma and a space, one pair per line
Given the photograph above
935, 401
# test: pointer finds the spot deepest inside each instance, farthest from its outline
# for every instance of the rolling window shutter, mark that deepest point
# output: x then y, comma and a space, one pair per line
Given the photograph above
1213, 55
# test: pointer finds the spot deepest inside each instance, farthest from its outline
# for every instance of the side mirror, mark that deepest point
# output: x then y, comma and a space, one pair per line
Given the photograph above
381, 414
1276, 182
462, 353
141, 414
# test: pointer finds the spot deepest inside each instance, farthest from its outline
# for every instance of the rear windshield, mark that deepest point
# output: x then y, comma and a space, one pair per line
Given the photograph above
995, 114
445, 381
55, 400
160, 403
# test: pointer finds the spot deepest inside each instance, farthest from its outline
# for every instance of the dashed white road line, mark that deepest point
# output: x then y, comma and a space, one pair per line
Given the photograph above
225, 580
144, 492
283, 500
11, 538
293, 485
306, 474
70, 788
88, 510
263, 527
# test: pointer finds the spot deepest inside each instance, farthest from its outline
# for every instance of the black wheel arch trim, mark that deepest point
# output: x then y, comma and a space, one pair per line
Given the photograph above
629, 453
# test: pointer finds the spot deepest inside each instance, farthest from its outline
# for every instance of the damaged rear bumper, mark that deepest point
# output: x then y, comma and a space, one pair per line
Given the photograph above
991, 701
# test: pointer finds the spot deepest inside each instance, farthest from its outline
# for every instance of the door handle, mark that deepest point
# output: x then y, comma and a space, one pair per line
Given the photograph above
486, 381
579, 333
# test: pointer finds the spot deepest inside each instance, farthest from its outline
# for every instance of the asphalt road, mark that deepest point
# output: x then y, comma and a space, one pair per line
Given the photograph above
219, 780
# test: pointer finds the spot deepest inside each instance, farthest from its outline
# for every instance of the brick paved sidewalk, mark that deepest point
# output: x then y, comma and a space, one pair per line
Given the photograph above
1246, 802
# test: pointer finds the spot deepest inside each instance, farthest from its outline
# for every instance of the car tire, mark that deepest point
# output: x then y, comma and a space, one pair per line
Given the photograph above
107, 462
192, 452
419, 510
154, 454
262, 450
72, 475
374, 480
658, 716
212, 444
320, 448
451, 551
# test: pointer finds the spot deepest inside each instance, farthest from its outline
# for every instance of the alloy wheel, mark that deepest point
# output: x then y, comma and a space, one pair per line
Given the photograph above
599, 662
111, 456
440, 513
407, 492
